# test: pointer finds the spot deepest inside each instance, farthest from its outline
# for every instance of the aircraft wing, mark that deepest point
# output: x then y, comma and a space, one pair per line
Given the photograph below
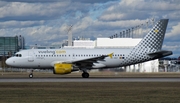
160, 54
88, 62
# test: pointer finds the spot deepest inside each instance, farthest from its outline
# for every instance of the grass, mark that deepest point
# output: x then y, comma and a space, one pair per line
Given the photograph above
121, 92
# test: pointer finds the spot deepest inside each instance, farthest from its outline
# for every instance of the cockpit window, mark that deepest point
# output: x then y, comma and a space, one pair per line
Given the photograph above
18, 55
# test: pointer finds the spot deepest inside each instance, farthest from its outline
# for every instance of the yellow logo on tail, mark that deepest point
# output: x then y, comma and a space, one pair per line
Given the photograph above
110, 55
156, 31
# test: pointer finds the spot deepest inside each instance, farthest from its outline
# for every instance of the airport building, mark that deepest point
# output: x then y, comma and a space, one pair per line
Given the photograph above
21, 42
105, 43
8, 45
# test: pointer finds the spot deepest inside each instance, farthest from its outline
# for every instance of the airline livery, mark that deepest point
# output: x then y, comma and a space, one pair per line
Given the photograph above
64, 61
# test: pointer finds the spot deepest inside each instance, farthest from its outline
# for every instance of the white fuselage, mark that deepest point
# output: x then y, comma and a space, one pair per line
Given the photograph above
46, 58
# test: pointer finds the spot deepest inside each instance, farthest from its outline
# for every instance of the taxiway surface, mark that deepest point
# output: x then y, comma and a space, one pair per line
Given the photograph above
97, 79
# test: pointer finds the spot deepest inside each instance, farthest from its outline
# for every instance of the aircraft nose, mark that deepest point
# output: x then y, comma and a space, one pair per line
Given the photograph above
9, 61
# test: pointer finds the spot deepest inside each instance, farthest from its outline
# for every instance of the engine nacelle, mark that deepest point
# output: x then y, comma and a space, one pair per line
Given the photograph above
62, 68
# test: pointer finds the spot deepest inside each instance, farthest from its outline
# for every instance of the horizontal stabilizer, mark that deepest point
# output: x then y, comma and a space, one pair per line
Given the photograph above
160, 54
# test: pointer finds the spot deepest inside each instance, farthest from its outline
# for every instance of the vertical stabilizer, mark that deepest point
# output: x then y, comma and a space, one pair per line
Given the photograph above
151, 43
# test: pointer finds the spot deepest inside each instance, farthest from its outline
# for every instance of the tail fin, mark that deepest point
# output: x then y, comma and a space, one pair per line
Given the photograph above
151, 43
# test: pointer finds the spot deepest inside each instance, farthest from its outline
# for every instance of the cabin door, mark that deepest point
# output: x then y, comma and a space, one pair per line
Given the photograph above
30, 57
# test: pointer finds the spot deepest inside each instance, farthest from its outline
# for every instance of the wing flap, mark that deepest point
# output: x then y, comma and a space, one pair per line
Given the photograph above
90, 59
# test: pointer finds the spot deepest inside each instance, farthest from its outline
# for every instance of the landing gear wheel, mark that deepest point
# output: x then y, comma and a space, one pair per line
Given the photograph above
85, 75
31, 75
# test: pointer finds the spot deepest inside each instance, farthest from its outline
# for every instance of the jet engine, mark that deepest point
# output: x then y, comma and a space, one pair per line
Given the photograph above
62, 68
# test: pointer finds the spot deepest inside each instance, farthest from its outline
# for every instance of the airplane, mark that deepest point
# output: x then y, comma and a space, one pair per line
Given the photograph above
67, 60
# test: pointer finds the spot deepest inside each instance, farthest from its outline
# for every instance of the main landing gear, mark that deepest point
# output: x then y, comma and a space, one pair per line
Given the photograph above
31, 74
85, 75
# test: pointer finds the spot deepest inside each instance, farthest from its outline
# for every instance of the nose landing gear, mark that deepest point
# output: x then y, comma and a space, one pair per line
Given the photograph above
31, 74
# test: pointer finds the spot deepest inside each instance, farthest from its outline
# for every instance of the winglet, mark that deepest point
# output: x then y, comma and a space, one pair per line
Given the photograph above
110, 55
